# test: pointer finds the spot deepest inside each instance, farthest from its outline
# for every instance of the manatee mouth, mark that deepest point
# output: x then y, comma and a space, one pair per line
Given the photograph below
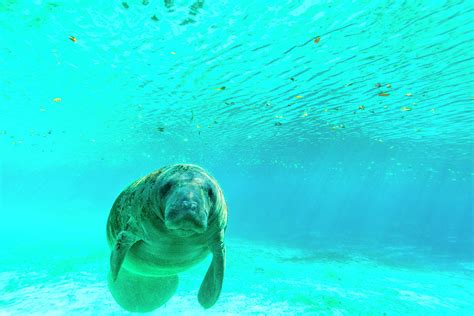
186, 229
183, 232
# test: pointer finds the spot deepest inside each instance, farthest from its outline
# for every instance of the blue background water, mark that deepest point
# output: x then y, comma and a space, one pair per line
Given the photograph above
307, 151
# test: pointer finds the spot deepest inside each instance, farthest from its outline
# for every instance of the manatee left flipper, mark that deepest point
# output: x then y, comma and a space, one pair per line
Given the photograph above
212, 284
125, 241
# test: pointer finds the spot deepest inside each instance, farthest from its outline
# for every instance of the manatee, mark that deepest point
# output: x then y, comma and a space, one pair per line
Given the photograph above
163, 224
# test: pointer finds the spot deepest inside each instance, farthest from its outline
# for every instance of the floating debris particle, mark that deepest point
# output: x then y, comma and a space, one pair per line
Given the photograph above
268, 103
298, 96
125, 5
405, 108
317, 39
292, 79
199, 126
408, 94
278, 124
173, 53
388, 85
342, 126
49, 132
145, 2
378, 85
279, 116
155, 18
361, 107
57, 100
221, 88
348, 84
305, 114
383, 94
433, 110
3, 132
73, 38
160, 129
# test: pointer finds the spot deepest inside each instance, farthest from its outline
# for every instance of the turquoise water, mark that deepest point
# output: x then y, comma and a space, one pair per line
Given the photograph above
341, 134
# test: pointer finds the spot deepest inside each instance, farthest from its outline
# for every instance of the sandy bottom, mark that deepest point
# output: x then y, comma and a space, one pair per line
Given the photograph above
260, 279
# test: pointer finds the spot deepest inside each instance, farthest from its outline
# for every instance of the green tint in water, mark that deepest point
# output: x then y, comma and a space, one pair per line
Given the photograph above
368, 102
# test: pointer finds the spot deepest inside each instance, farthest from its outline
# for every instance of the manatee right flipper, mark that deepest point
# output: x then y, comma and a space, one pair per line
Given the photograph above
125, 240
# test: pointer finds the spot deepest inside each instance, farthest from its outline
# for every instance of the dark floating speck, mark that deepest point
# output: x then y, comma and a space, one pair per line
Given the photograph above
278, 124
145, 2
155, 18
187, 21
125, 5
160, 129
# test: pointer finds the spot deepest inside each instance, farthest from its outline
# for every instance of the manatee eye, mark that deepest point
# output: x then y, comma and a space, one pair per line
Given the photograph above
165, 189
211, 194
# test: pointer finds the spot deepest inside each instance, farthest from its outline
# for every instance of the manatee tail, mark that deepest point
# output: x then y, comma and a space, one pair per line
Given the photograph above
138, 293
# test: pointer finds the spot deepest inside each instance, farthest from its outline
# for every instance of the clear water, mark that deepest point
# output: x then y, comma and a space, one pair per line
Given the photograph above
341, 134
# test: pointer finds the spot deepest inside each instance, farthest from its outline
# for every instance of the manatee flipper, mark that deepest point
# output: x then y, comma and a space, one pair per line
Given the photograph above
125, 241
212, 284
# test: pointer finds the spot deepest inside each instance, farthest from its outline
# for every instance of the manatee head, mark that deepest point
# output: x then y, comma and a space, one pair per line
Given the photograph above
187, 196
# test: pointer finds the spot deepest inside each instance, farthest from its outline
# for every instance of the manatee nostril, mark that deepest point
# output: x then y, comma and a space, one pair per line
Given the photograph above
190, 204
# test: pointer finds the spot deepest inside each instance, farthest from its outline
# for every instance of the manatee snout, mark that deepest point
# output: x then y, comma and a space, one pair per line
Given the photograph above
186, 215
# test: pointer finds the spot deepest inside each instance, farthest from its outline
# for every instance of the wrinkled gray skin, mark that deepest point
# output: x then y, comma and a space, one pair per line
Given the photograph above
163, 224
